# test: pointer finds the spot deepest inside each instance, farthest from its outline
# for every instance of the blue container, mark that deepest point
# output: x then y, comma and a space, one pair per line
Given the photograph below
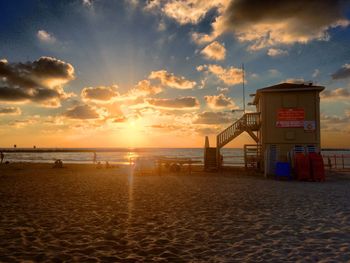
283, 170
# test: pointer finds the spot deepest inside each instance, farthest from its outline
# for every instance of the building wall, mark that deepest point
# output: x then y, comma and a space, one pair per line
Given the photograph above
285, 138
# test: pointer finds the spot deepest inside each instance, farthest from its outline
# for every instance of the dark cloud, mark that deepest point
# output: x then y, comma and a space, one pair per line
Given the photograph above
342, 73
177, 103
209, 117
10, 110
100, 93
82, 112
271, 23
288, 21
38, 81
317, 13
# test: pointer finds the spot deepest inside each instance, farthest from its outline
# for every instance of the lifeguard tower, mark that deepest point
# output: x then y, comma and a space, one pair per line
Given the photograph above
287, 117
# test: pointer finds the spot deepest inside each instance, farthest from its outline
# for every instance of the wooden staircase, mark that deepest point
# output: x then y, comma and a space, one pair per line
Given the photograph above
249, 122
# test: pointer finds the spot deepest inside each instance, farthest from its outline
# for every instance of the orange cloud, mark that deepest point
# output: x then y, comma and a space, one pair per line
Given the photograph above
100, 94
183, 103
172, 81
214, 51
229, 76
220, 101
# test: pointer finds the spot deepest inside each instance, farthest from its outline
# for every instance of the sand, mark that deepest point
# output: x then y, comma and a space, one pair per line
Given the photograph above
80, 213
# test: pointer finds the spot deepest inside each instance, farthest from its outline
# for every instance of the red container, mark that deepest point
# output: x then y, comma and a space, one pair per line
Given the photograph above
317, 167
302, 167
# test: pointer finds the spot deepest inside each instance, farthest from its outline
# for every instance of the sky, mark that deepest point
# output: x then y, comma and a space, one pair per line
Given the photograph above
163, 73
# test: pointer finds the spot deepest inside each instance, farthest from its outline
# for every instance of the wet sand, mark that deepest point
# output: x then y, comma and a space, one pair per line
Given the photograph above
80, 213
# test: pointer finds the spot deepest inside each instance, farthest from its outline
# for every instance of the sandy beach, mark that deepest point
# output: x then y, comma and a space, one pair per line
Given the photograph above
83, 214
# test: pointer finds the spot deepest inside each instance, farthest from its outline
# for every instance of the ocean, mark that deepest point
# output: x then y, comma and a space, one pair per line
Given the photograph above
114, 155
232, 156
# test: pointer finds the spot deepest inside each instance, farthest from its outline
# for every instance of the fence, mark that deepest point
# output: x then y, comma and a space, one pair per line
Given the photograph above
336, 161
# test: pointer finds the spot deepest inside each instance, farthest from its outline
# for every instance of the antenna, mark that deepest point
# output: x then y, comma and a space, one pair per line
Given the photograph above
243, 88
243, 110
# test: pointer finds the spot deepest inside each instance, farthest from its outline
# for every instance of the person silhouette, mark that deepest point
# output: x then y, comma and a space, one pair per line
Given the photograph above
95, 158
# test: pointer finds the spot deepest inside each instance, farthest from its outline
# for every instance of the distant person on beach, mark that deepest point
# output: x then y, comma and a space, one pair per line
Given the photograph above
95, 158
2, 156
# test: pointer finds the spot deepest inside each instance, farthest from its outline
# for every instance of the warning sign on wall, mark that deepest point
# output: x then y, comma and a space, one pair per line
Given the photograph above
309, 126
290, 118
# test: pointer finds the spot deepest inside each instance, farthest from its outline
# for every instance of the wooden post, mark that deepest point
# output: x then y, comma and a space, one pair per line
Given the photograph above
335, 161
342, 158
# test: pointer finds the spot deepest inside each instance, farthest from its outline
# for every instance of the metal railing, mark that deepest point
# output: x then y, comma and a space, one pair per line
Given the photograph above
336, 161
248, 120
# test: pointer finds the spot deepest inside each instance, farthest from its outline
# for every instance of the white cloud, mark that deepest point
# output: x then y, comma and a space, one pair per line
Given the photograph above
316, 73
275, 52
45, 37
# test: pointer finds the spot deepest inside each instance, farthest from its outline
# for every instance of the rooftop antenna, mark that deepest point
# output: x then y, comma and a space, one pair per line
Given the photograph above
243, 87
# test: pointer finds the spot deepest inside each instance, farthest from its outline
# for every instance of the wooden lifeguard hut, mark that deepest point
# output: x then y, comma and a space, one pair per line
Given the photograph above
287, 117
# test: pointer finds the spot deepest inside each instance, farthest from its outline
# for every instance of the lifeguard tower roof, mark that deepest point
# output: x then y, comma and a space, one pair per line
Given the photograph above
286, 87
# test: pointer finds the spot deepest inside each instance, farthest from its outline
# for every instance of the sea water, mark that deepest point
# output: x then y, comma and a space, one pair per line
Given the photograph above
232, 156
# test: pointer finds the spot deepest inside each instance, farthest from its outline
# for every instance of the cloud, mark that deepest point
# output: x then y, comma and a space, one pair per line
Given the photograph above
45, 37
83, 112
184, 12
177, 103
214, 51
207, 130
172, 81
10, 111
316, 73
87, 3
229, 76
145, 88
219, 101
339, 93
167, 127
40, 81
274, 52
209, 117
295, 81
342, 73
23, 123
100, 94
274, 72
269, 23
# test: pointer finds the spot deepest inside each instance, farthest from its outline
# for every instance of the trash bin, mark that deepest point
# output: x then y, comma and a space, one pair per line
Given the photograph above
283, 170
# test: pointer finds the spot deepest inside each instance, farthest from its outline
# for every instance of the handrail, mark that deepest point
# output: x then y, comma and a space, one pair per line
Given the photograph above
248, 120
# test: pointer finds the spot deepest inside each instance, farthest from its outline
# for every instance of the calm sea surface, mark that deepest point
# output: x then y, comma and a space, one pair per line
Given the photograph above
232, 156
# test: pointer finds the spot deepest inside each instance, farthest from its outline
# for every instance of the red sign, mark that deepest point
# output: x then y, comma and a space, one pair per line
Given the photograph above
290, 118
